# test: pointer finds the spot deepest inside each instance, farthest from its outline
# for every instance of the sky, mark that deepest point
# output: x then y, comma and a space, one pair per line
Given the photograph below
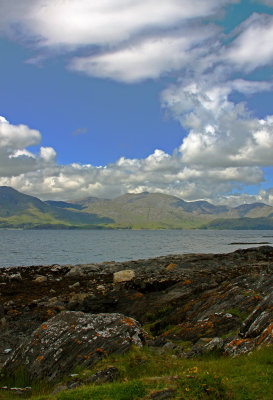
105, 97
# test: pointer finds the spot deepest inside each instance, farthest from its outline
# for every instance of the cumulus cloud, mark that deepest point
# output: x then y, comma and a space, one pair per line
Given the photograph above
74, 182
19, 137
40, 175
133, 40
15, 159
221, 134
266, 196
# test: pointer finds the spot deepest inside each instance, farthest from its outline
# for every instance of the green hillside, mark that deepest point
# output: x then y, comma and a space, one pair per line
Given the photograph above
147, 211
18, 210
161, 211
240, 223
129, 211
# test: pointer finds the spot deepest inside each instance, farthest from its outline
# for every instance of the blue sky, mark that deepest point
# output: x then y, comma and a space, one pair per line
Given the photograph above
103, 98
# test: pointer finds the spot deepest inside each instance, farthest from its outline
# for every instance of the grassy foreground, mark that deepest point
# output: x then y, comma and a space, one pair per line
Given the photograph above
144, 372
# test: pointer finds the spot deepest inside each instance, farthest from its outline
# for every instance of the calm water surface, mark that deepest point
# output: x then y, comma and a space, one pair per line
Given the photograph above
46, 247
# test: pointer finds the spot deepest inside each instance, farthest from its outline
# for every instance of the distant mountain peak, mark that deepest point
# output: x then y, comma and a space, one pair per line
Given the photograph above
129, 211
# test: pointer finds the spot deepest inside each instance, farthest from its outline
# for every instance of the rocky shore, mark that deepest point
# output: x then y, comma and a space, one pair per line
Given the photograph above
53, 318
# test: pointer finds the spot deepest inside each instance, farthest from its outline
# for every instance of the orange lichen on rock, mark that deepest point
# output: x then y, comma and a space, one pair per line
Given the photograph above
128, 321
99, 350
171, 266
237, 342
50, 313
267, 335
137, 295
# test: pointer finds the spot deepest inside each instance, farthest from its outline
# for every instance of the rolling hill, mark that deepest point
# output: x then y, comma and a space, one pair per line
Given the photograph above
129, 211
18, 210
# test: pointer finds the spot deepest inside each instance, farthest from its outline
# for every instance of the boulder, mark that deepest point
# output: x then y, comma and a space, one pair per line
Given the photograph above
106, 375
214, 344
124, 276
75, 271
73, 338
40, 279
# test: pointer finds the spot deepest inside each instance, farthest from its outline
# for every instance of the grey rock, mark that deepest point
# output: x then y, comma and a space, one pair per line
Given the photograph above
75, 285
103, 376
74, 272
259, 319
215, 344
73, 338
256, 330
169, 346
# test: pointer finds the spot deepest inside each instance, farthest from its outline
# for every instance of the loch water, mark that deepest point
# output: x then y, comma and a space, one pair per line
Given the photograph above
47, 247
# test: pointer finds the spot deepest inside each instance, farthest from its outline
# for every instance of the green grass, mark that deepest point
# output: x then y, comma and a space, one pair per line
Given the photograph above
142, 372
115, 391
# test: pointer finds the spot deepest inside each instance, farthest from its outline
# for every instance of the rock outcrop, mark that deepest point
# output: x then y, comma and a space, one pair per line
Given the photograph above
193, 298
256, 330
72, 338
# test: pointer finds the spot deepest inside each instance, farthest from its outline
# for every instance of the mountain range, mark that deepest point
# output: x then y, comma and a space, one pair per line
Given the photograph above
129, 211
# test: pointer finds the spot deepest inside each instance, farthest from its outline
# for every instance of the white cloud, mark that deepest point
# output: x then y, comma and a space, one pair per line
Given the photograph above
17, 136
249, 87
266, 196
221, 134
15, 159
132, 40
126, 40
148, 58
253, 47
159, 172
47, 154
75, 23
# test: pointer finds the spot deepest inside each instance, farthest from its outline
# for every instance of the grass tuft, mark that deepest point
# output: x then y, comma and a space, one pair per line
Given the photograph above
143, 372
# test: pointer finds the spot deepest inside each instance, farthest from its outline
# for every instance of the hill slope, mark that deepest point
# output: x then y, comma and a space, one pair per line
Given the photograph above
18, 210
129, 211
161, 211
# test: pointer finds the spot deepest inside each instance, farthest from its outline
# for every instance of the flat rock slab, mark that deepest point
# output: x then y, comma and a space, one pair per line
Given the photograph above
74, 338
